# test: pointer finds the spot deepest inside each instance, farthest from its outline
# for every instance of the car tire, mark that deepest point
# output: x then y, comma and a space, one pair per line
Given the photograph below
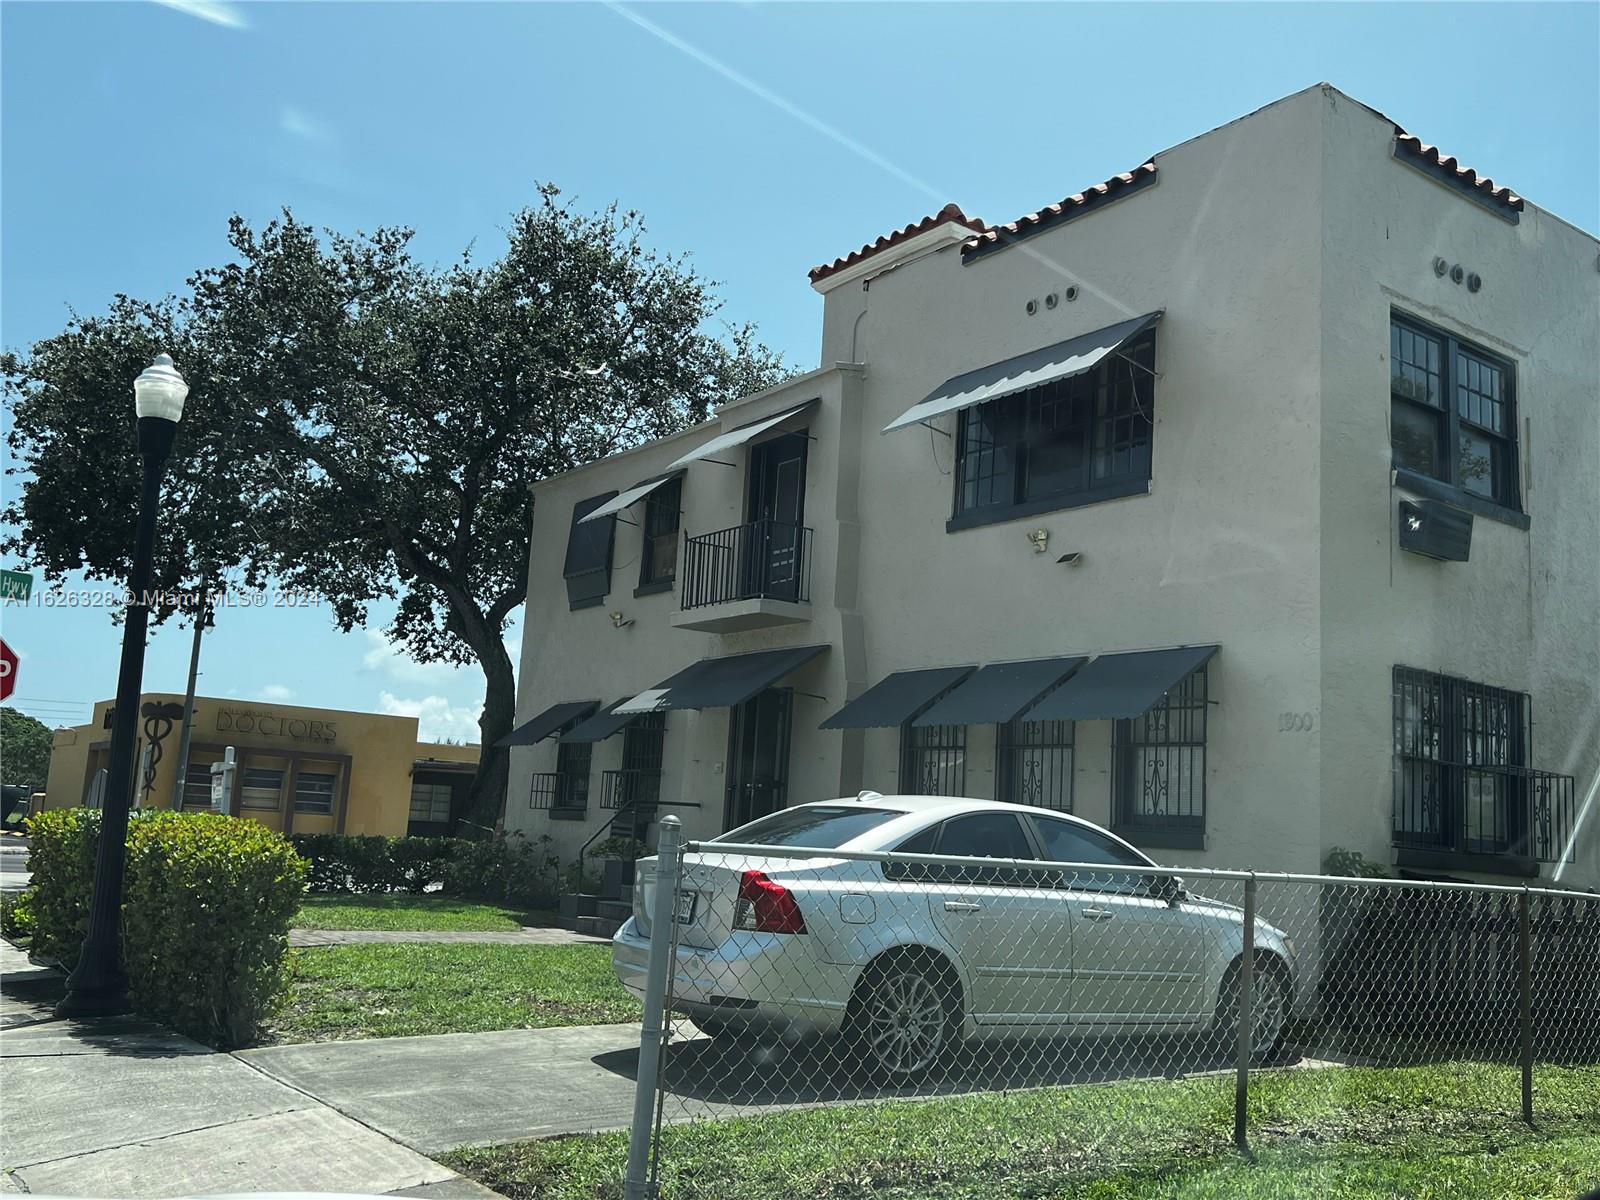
1269, 1008
905, 1015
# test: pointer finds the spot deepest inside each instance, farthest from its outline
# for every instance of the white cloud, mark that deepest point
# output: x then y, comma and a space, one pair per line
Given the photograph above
216, 12
384, 657
298, 123
437, 719
277, 691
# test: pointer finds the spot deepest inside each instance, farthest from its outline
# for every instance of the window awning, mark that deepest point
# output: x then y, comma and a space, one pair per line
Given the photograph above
600, 726
1000, 692
551, 720
1033, 369
721, 682
734, 438
1120, 687
629, 496
896, 698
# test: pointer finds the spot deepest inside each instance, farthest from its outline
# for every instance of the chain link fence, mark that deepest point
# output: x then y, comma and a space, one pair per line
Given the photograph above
922, 1015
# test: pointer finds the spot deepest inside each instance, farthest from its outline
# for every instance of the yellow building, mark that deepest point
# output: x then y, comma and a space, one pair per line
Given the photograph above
299, 770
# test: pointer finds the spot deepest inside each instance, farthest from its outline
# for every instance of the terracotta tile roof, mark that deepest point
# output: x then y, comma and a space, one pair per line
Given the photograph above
1142, 174
949, 213
1414, 146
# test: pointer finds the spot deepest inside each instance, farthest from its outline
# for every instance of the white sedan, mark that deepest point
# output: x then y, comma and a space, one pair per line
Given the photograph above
908, 959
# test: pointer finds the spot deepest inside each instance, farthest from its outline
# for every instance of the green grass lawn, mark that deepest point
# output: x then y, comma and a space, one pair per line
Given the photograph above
1417, 1133
342, 992
399, 910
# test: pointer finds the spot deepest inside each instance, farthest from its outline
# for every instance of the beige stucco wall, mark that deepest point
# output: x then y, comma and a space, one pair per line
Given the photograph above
1524, 612
372, 755
1275, 246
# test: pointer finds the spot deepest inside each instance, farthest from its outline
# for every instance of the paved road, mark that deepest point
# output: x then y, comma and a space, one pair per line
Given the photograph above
14, 864
124, 1107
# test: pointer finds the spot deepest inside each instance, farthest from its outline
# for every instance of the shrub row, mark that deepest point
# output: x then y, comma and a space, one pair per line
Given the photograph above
510, 869
207, 905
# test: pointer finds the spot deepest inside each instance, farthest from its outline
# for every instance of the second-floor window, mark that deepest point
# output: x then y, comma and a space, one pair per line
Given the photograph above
587, 566
1452, 416
1069, 442
658, 560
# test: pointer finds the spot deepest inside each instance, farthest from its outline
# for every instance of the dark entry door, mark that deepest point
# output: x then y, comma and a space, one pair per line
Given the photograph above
776, 512
758, 756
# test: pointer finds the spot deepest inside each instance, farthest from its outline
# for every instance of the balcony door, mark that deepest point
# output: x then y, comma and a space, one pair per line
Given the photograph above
775, 511
758, 756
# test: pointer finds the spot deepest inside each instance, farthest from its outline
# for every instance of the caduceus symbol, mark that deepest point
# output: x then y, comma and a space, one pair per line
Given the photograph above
158, 719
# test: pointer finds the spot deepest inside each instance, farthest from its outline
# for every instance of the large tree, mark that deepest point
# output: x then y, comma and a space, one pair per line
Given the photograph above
25, 744
366, 427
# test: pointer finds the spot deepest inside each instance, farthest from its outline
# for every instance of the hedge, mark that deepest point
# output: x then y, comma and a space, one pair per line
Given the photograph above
207, 905
510, 869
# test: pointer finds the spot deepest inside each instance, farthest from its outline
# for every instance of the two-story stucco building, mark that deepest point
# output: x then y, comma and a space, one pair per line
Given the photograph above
1247, 503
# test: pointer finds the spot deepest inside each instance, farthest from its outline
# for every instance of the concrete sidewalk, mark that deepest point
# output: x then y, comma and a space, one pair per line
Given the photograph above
528, 935
123, 1107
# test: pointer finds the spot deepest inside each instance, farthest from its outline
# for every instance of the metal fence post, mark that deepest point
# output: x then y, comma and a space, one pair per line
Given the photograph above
1241, 1084
1525, 1000
663, 915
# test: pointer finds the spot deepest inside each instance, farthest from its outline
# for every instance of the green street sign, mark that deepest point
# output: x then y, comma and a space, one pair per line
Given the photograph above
15, 585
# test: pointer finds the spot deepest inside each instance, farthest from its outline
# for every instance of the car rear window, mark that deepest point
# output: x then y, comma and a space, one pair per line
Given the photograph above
823, 827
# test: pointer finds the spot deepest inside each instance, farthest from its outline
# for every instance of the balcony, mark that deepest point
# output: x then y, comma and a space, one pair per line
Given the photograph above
1504, 820
753, 576
565, 796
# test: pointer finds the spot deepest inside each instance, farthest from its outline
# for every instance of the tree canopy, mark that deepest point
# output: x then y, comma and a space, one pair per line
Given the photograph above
24, 750
365, 427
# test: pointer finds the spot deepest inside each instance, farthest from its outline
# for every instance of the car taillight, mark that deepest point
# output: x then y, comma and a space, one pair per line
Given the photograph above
766, 907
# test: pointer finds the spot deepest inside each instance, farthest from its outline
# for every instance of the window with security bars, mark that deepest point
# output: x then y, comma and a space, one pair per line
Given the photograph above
658, 560
573, 762
1068, 442
1451, 413
1033, 763
313, 791
1159, 769
933, 760
1461, 777
197, 784
430, 801
263, 788
638, 784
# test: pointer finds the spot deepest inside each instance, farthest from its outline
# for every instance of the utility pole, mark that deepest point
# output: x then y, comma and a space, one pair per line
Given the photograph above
202, 618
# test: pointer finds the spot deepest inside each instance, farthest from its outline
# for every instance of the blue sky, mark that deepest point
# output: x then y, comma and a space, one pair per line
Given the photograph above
763, 139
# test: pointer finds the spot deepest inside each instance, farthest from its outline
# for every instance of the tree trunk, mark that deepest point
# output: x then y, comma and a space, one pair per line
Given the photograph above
485, 803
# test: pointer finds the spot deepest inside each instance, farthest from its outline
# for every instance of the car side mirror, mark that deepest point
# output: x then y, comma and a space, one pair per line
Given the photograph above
1166, 888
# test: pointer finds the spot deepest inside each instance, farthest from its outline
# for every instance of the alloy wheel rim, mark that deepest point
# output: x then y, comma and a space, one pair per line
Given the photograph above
1266, 1007
905, 1022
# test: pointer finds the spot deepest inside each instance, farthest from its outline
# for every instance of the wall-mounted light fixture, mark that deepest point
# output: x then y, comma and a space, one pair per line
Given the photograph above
1040, 539
619, 621
1071, 558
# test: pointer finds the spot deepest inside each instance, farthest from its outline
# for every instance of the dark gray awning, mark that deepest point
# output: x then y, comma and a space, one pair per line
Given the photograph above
552, 720
1033, 369
896, 698
1119, 687
1000, 692
732, 439
629, 496
600, 726
721, 682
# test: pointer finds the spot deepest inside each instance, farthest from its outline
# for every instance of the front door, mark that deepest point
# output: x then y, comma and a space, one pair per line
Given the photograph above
775, 513
758, 756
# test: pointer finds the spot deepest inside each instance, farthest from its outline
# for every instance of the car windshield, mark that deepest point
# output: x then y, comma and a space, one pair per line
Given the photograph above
822, 826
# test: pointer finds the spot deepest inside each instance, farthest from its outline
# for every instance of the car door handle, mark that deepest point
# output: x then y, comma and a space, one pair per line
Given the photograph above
1097, 914
961, 906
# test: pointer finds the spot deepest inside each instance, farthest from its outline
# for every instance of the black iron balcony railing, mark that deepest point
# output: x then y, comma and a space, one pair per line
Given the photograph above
561, 793
761, 560
1514, 811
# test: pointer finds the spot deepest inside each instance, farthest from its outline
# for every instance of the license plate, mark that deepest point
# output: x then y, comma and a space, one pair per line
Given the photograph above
686, 907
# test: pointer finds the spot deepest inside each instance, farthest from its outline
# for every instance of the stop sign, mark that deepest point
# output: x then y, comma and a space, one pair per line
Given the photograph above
8, 671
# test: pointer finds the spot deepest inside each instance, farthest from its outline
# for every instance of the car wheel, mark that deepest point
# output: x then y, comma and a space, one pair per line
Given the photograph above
904, 1017
1269, 1008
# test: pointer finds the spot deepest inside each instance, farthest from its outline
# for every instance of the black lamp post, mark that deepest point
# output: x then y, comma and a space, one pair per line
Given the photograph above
99, 985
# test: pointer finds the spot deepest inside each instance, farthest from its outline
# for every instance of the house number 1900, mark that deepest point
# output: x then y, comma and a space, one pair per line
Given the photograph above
1294, 722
